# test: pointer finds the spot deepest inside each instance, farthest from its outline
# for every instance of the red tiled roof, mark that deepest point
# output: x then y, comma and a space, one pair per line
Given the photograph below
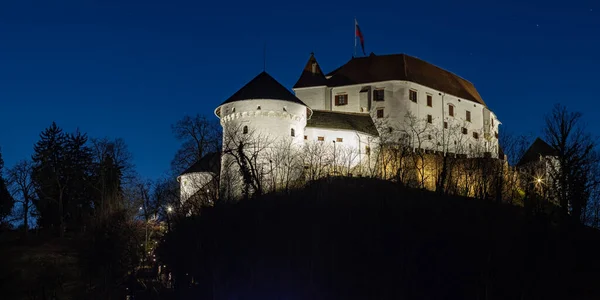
377, 68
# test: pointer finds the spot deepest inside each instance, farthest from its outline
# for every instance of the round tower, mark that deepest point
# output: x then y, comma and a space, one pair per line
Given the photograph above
262, 122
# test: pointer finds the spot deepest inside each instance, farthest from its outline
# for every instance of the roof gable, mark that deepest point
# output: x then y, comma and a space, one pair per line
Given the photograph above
308, 78
263, 86
208, 163
537, 149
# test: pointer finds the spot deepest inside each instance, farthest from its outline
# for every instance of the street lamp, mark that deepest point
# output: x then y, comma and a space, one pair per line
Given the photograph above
169, 209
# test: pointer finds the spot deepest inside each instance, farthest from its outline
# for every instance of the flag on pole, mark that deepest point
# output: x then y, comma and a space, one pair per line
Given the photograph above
358, 33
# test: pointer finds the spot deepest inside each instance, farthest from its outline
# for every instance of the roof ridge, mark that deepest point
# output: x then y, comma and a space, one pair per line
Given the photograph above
342, 112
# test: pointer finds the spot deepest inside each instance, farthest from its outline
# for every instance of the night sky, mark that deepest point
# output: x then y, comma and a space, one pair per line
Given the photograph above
130, 69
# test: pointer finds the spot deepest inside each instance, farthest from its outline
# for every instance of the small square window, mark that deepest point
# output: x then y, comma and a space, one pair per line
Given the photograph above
320, 138
429, 100
468, 116
429, 119
341, 99
379, 113
378, 95
412, 95
475, 135
339, 140
464, 130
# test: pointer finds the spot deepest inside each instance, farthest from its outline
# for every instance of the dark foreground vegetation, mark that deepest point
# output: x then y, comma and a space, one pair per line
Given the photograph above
371, 239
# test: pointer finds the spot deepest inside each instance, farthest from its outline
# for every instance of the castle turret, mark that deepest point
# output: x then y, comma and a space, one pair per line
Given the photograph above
258, 120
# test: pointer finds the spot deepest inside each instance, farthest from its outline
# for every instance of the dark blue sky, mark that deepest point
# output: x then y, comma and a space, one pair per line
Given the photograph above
130, 69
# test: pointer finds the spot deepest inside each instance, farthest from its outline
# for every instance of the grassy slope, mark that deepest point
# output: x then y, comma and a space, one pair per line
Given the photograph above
370, 239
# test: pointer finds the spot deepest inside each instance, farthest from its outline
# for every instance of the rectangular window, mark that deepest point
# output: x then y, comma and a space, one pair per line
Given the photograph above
429, 100
429, 136
306, 137
429, 119
341, 99
476, 135
339, 140
496, 134
378, 95
464, 130
379, 113
320, 138
451, 110
412, 95
468, 116
445, 125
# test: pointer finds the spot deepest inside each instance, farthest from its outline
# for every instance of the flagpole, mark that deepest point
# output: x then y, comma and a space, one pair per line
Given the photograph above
354, 37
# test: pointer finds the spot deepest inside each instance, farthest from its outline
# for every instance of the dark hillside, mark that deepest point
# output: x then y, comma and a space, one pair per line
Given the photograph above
370, 239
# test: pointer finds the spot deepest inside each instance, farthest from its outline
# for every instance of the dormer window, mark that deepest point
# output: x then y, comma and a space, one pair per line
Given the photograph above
314, 68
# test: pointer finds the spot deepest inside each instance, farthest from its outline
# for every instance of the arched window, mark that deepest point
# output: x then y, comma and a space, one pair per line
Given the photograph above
293, 132
245, 130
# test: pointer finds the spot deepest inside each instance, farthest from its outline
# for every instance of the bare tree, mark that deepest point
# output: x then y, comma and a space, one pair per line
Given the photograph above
565, 133
418, 132
245, 151
114, 169
316, 159
23, 188
199, 136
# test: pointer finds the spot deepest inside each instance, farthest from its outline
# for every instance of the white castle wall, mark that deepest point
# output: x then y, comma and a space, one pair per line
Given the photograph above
396, 104
191, 183
270, 123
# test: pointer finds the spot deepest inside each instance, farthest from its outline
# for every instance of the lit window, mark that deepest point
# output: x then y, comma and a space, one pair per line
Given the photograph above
245, 130
320, 138
293, 132
429, 101
341, 99
451, 110
468, 116
379, 113
339, 140
378, 95
412, 95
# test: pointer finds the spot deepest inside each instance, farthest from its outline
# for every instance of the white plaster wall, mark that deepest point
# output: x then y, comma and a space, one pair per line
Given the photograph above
350, 139
397, 103
191, 183
314, 97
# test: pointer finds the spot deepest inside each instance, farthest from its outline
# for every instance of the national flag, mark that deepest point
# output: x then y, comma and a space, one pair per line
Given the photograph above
359, 34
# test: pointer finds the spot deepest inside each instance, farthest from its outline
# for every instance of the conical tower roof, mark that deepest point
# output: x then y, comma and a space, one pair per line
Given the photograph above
264, 86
